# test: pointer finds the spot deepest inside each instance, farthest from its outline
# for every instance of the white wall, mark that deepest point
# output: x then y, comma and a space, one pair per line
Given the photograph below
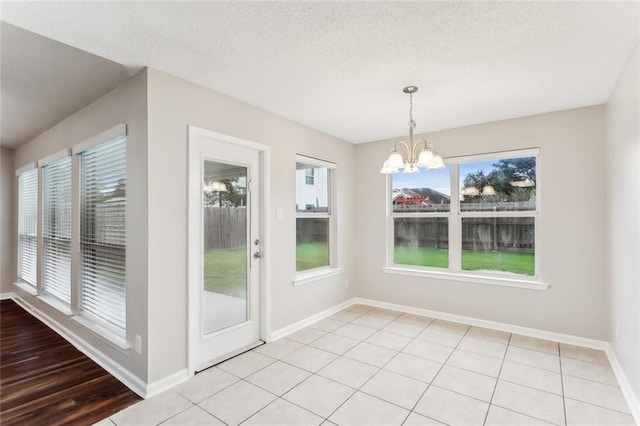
572, 235
623, 197
7, 221
125, 104
174, 104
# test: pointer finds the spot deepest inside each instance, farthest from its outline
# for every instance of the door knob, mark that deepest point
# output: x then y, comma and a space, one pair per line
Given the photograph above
257, 255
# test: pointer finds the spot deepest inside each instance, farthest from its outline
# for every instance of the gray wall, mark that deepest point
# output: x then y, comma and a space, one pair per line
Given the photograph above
571, 244
7, 221
623, 190
125, 104
174, 104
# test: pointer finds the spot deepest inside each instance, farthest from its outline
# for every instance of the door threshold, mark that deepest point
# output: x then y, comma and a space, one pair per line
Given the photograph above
228, 356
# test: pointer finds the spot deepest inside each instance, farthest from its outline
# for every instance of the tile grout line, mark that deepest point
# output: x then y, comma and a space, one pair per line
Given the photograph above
367, 381
412, 339
398, 352
564, 404
602, 407
504, 357
435, 376
381, 368
355, 390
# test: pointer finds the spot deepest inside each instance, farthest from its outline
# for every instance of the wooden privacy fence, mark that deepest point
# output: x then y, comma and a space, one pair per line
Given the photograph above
514, 234
224, 227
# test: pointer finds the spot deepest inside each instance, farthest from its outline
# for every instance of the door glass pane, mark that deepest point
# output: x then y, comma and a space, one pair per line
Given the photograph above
225, 277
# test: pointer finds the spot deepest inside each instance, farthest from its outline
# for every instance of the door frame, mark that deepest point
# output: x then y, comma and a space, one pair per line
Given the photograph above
194, 230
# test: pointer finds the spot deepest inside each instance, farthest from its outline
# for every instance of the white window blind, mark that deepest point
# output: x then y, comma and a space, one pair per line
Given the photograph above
103, 232
28, 226
56, 229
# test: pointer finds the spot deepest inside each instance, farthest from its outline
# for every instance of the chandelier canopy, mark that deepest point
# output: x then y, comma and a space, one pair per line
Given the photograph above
418, 154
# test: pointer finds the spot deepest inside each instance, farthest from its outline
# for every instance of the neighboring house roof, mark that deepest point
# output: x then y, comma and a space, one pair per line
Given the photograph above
427, 195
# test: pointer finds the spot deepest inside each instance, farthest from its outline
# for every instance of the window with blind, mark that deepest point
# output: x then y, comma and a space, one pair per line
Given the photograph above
56, 229
28, 226
103, 233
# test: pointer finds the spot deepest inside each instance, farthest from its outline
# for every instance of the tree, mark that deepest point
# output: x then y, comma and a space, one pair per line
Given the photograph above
502, 177
477, 180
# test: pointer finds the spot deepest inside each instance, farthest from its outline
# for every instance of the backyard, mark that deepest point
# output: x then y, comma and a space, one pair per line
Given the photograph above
518, 263
225, 270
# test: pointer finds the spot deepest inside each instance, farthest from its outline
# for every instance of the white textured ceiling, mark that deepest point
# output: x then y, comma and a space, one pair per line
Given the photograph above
340, 66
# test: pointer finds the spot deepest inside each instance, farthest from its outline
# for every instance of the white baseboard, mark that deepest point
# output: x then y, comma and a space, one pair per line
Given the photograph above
285, 331
115, 369
625, 386
509, 328
167, 383
6, 296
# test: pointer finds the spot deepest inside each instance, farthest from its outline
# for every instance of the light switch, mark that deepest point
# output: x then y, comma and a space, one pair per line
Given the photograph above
279, 213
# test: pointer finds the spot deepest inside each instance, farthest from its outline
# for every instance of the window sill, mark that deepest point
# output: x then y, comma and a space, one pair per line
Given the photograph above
56, 304
530, 284
103, 332
28, 288
315, 275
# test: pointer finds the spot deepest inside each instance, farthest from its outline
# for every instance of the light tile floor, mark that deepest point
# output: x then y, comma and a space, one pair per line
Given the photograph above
371, 366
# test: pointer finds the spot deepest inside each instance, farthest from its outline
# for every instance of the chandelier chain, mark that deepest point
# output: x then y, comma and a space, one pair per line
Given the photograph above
419, 153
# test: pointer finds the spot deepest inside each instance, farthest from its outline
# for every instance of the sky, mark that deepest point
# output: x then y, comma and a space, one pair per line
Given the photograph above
440, 180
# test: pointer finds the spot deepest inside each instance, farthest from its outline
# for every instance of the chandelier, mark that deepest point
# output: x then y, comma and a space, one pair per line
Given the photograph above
418, 154
215, 186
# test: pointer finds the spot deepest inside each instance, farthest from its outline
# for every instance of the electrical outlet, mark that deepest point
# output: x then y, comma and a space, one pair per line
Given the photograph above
279, 213
138, 344
346, 283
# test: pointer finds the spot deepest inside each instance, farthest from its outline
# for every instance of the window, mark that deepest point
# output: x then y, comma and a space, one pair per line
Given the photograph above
476, 216
103, 233
498, 206
421, 205
313, 214
309, 176
28, 226
56, 229
72, 235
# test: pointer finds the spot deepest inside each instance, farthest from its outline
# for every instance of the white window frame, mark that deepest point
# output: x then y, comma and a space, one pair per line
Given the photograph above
99, 327
454, 272
332, 269
31, 288
52, 300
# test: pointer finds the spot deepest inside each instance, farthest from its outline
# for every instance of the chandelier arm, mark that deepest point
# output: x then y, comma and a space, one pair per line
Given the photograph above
417, 145
401, 143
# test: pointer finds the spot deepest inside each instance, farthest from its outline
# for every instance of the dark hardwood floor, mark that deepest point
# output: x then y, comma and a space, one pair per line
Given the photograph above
44, 380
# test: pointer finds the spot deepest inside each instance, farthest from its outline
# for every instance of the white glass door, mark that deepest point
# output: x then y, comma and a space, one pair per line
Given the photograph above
224, 242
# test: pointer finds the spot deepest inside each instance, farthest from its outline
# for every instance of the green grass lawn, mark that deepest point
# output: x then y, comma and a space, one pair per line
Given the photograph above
225, 272
311, 255
518, 263
421, 256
